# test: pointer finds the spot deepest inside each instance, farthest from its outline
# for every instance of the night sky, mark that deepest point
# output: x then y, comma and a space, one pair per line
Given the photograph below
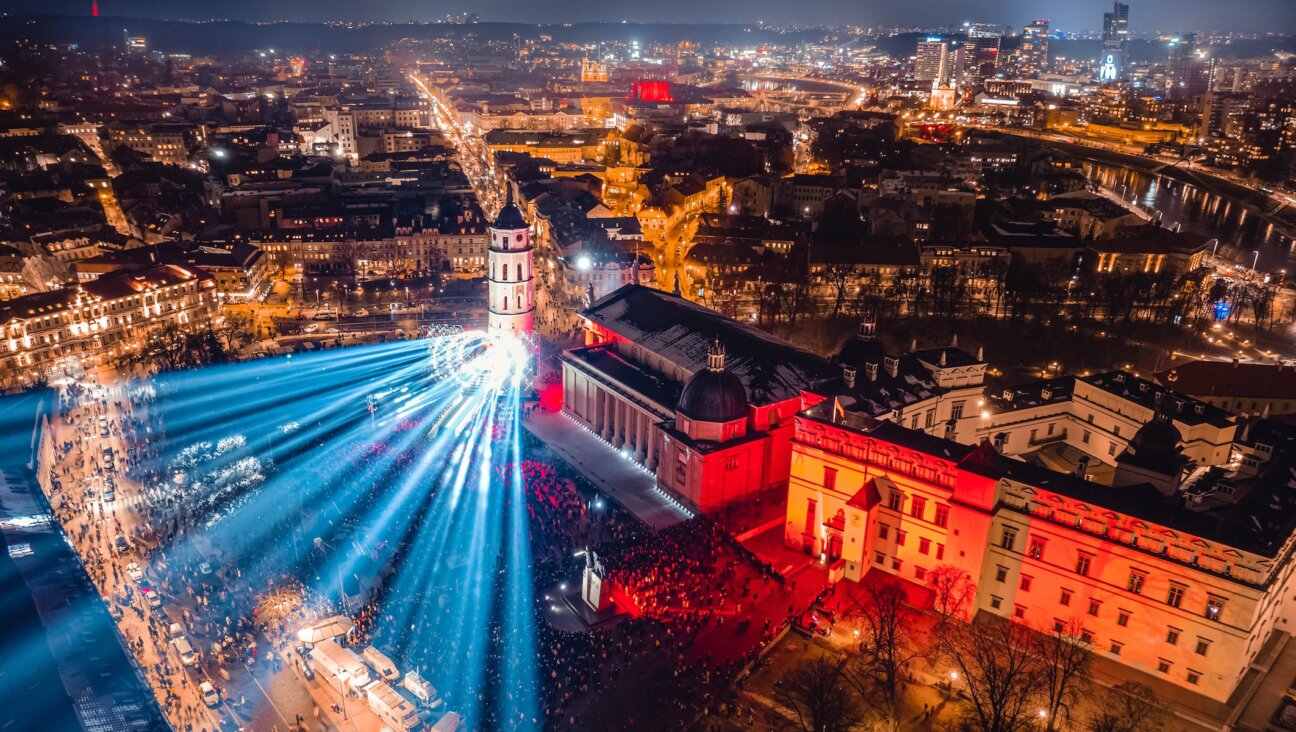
1073, 15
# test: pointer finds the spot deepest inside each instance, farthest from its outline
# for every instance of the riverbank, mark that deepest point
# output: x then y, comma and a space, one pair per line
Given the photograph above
1255, 202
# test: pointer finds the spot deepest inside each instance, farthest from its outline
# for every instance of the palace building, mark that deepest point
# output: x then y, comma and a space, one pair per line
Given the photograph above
1190, 591
1170, 548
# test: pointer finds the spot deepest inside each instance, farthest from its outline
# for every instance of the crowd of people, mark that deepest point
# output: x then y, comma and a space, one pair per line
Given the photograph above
361, 548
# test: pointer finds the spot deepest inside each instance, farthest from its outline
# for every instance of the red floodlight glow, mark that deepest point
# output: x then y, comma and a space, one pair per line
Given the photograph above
651, 91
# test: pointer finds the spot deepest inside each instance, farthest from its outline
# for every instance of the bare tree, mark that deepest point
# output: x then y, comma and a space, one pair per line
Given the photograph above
815, 697
880, 668
839, 276
997, 665
1127, 707
1064, 654
954, 591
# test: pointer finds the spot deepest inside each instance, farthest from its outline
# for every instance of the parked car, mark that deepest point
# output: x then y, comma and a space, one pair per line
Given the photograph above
134, 572
210, 696
151, 597
121, 545
186, 651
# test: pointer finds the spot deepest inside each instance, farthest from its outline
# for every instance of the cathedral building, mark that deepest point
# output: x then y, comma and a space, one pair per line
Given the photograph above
706, 403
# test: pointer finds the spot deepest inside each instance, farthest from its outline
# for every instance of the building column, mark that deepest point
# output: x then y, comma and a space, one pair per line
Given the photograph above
609, 407
642, 437
650, 461
623, 416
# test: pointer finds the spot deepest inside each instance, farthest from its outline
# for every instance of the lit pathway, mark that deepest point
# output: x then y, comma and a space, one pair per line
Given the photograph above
622, 480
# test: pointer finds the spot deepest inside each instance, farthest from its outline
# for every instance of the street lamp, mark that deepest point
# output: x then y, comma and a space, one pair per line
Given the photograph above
344, 676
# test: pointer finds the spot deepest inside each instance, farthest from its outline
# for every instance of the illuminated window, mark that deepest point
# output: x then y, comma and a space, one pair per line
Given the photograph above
1214, 606
1036, 549
916, 507
1136, 582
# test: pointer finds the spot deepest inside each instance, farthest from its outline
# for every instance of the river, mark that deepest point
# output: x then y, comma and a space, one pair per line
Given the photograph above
1241, 233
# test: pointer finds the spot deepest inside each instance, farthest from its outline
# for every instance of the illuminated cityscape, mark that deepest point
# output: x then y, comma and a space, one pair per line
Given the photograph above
535, 367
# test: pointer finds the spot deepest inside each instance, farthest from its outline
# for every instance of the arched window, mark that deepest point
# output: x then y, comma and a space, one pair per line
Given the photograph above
506, 273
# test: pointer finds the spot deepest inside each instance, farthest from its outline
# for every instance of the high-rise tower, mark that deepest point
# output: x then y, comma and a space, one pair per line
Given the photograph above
1115, 34
510, 285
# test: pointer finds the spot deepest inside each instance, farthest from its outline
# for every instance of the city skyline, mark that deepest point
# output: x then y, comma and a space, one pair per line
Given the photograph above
1149, 16
476, 375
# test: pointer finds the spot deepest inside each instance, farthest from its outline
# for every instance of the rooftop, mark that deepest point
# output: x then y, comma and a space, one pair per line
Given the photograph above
772, 370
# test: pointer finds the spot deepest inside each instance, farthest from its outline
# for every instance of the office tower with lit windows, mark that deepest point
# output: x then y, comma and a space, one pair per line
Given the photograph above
979, 56
1115, 35
1033, 55
1190, 68
933, 61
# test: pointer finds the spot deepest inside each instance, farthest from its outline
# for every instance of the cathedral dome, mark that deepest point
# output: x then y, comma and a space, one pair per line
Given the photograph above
715, 394
1156, 439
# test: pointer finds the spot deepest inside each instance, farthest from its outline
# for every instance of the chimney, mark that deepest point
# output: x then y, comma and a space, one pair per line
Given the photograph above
981, 354
942, 361
892, 366
954, 341
1235, 363
848, 376
871, 370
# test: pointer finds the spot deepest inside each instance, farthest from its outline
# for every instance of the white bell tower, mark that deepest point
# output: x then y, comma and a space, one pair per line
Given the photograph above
511, 279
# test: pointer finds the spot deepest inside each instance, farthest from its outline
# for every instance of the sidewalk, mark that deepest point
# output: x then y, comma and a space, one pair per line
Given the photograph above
622, 480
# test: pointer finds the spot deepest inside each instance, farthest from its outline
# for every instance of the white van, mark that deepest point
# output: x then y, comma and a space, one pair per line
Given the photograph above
421, 689
379, 662
448, 723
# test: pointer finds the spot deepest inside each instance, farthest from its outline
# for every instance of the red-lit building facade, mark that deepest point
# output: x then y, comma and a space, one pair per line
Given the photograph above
1191, 596
703, 402
707, 403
